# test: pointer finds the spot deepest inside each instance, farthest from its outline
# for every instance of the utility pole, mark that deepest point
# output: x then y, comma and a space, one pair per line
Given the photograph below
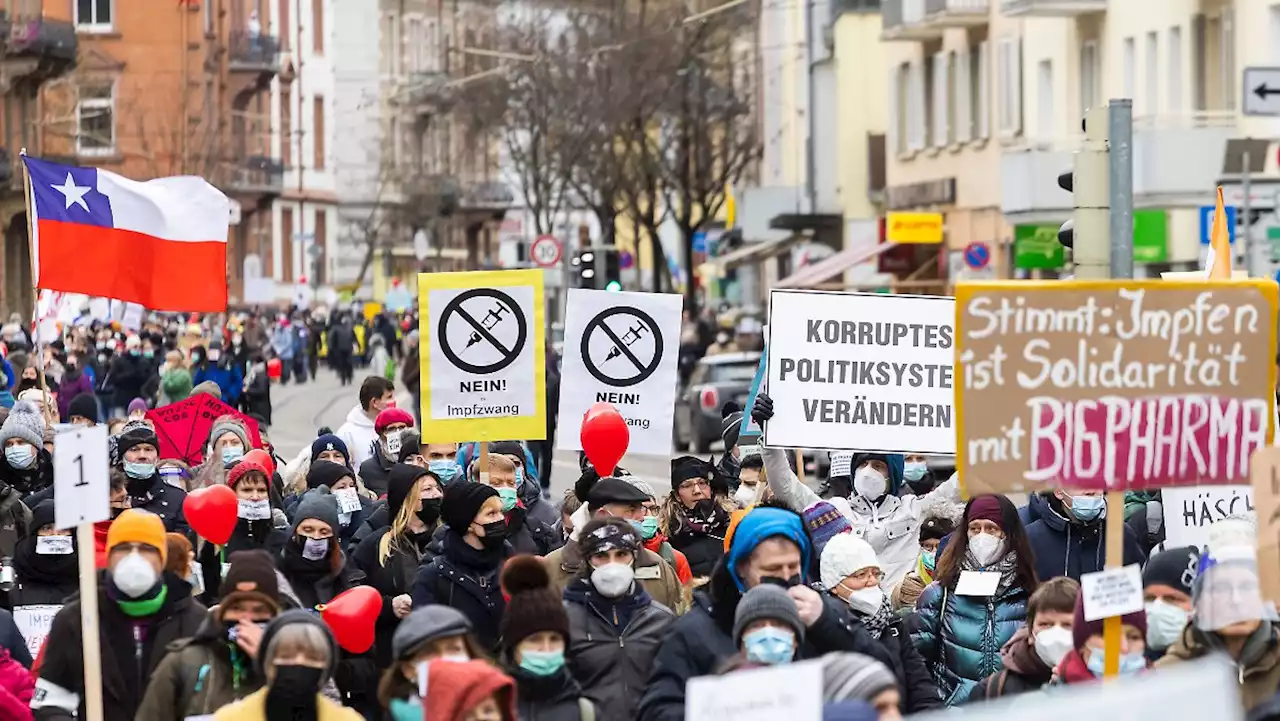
1250, 256
1120, 186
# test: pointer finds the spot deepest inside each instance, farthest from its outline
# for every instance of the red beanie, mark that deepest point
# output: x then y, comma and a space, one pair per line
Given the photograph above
239, 470
389, 416
986, 508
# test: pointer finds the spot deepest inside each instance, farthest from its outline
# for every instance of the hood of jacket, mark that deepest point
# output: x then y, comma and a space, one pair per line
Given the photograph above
1038, 507
357, 417
1020, 657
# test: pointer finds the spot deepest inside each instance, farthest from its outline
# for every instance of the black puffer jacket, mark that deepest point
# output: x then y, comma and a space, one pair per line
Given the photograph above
247, 536
466, 579
375, 472
527, 534
15, 519
30, 480
557, 697
393, 578
846, 631
162, 499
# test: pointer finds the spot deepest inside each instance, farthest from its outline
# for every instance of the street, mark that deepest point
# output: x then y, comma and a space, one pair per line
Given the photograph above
298, 410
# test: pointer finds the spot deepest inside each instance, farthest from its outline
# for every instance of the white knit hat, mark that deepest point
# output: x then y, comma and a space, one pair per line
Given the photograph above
844, 555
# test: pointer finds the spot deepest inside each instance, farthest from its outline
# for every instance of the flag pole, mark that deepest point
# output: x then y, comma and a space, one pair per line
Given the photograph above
84, 532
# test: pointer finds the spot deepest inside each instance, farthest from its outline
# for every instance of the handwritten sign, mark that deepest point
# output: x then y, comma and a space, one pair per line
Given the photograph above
792, 691
1113, 592
34, 622
1112, 385
1265, 472
1190, 512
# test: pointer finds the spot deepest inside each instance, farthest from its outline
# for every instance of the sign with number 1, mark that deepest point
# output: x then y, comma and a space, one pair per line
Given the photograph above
81, 484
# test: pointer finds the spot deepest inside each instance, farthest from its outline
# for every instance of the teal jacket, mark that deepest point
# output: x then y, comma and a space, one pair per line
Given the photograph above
960, 637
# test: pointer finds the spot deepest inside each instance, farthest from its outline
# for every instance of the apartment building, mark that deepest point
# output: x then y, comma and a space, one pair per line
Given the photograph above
987, 98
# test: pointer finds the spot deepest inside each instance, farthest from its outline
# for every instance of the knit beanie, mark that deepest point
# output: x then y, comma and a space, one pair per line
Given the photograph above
391, 416
1081, 629
410, 446
425, 624
229, 424
730, 425
844, 556
319, 505
986, 508
458, 687
686, 467
760, 524
823, 522
1173, 567
138, 526
42, 515
400, 481
766, 601
84, 405
462, 502
535, 606
208, 387
137, 404
854, 676
329, 442
250, 576
243, 468
326, 473
297, 615
935, 528
25, 421
135, 435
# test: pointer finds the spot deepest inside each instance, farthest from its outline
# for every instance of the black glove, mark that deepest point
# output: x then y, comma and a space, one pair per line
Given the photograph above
763, 408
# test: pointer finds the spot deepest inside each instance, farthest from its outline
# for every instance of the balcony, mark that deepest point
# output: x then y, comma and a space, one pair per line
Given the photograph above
426, 91
1177, 158
1051, 8
956, 13
486, 195
252, 61
1029, 191
36, 50
254, 175
906, 20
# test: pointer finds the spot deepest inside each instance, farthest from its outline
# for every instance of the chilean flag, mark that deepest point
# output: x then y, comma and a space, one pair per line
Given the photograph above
161, 244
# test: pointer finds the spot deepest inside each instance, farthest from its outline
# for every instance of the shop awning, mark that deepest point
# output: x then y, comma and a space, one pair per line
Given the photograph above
748, 254
825, 270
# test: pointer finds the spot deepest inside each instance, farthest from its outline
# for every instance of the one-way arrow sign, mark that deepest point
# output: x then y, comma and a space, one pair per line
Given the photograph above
1261, 91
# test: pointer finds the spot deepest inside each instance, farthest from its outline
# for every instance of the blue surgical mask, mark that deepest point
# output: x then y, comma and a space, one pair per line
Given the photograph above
519, 476
508, 496
770, 645
542, 663
20, 456
231, 454
139, 471
1130, 663
1088, 508
445, 470
648, 527
915, 470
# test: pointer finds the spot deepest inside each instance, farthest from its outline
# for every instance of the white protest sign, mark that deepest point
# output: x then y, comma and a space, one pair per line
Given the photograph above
622, 349
1112, 592
1190, 511
792, 691
34, 622
978, 583
861, 372
81, 485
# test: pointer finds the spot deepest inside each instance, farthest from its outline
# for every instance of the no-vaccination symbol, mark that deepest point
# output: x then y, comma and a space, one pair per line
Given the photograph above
545, 251
482, 331
634, 352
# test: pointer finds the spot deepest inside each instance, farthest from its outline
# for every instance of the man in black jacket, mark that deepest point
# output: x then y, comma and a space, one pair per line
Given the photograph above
129, 372
137, 450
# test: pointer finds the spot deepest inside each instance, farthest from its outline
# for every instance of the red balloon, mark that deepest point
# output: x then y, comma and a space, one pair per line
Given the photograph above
211, 513
261, 458
351, 615
604, 437
275, 369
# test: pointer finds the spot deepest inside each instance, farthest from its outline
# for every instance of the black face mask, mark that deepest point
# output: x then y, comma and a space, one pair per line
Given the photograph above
920, 487
293, 690
430, 511
494, 534
782, 582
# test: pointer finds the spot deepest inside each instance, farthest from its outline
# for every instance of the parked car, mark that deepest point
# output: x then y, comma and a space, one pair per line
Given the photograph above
714, 381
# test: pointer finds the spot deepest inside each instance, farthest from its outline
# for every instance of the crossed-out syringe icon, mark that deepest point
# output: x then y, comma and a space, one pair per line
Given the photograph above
628, 339
490, 320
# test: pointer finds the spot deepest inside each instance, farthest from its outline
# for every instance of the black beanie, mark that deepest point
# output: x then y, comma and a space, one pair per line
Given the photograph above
1173, 567
410, 445
42, 515
85, 406
686, 467
462, 502
935, 528
326, 473
400, 481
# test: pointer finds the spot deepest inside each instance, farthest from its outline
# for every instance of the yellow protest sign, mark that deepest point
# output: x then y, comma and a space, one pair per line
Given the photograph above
483, 337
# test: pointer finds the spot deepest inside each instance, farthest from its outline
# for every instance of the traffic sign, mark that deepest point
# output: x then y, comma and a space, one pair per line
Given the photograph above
1206, 222
546, 251
977, 255
1261, 91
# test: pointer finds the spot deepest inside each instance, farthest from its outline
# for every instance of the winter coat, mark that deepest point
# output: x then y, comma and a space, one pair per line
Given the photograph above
282, 339
1067, 547
165, 501
891, 526
845, 630
127, 374
175, 385
42, 584
375, 471
358, 433
529, 535
1258, 668
411, 374
127, 663
17, 686
1037, 505
226, 375
254, 708
27, 481
11, 639
960, 637
74, 383
655, 575
1147, 540
257, 394
15, 518
394, 578
612, 644
199, 675
557, 697
1023, 671
247, 536
465, 579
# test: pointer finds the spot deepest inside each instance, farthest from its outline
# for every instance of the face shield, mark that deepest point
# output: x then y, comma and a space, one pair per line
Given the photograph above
1226, 595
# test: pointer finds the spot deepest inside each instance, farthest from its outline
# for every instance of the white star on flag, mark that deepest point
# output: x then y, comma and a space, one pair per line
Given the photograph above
74, 194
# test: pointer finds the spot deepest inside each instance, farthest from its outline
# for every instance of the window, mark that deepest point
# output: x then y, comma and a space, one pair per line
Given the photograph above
900, 126
317, 26
395, 46
286, 126
208, 19
1088, 75
322, 232
1046, 121
286, 245
1129, 61
1010, 86
282, 27
416, 44
1227, 42
1175, 69
941, 100
431, 47
93, 15
917, 124
317, 131
962, 128
1152, 61
391, 148
982, 91
96, 119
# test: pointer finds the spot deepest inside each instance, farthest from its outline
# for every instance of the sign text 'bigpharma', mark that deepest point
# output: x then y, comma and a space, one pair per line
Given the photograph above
1112, 384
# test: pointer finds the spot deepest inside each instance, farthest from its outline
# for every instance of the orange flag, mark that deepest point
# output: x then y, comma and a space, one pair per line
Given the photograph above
1218, 266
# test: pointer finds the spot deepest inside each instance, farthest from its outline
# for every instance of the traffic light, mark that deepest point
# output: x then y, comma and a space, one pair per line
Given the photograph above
1067, 233
584, 265
612, 270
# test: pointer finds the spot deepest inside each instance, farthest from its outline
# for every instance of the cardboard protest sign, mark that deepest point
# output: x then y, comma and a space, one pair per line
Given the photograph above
483, 356
860, 372
1112, 385
1265, 473
792, 691
1189, 513
623, 349
34, 622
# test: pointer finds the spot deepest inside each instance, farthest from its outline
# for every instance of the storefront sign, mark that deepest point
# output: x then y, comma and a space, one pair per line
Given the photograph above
1036, 247
916, 195
1150, 236
906, 228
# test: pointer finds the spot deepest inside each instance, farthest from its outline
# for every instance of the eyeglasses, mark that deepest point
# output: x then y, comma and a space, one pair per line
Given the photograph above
693, 483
